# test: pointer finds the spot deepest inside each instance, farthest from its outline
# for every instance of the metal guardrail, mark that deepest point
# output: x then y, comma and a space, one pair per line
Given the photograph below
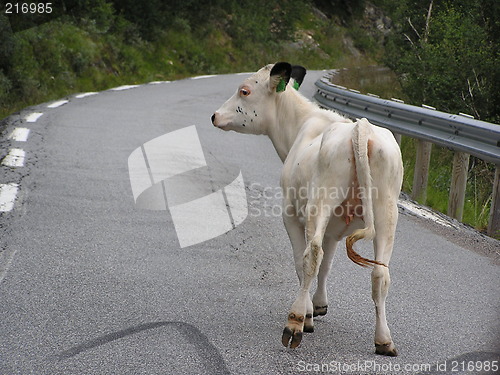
458, 132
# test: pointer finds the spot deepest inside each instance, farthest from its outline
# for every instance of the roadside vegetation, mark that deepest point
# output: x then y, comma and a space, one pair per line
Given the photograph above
446, 54
441, 53
96, 44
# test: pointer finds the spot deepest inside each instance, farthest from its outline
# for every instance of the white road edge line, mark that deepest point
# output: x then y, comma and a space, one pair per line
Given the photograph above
15, 158
158, 82
124, 87
57, 104
202, 77
8, 194
19, 134
85, 94
423, 212
33, 117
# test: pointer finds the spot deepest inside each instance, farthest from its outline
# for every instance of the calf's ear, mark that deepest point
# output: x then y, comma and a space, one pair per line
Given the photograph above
279, 76
298, 74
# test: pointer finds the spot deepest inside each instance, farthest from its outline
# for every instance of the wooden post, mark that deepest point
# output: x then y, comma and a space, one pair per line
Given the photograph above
494, 221
421, 175
458, 184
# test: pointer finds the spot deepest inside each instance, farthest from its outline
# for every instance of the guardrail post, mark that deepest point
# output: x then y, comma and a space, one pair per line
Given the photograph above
421, 175
458, 184
494, 221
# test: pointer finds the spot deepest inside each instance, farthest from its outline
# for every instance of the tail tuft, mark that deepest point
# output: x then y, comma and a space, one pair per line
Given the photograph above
353, 255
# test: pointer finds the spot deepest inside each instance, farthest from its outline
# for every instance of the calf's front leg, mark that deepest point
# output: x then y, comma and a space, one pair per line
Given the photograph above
320, 298
301, 314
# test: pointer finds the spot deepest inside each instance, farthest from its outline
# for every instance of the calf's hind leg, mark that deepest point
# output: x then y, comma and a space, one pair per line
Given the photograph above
381, 280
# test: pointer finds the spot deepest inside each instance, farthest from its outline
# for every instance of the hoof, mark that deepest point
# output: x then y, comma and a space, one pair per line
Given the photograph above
292, 338
309, 324
320, 310
386, 349
308, 329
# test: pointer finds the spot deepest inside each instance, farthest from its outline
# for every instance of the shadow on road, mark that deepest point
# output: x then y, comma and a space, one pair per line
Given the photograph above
210, 356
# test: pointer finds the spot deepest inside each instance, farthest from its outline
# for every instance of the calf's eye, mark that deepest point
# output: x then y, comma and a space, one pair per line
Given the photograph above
244, 92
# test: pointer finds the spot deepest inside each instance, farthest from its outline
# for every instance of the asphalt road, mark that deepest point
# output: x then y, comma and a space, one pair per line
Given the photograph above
89, 284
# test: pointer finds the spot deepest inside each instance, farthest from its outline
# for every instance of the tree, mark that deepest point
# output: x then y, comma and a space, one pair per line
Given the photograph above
446, 55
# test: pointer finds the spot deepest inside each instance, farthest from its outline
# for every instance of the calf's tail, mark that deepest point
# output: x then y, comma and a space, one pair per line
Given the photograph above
360, 138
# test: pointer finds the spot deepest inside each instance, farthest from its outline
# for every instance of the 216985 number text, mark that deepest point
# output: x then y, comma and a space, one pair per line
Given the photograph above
28, 8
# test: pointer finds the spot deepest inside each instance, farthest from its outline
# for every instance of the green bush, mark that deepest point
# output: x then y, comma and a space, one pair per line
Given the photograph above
5, 88
448, 58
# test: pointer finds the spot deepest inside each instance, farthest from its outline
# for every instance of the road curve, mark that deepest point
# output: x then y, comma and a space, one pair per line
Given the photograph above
90, 284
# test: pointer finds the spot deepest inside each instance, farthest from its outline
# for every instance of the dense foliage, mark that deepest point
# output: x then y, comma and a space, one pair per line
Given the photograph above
447, 54
95, 44
445, 51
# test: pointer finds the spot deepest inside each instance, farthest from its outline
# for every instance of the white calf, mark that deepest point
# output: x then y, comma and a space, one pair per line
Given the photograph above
340, 179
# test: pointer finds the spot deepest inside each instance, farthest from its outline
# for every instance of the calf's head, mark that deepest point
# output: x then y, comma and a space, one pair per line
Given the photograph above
254, 105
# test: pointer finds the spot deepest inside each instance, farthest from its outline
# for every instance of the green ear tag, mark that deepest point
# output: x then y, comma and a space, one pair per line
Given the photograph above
296, 85
281, 86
